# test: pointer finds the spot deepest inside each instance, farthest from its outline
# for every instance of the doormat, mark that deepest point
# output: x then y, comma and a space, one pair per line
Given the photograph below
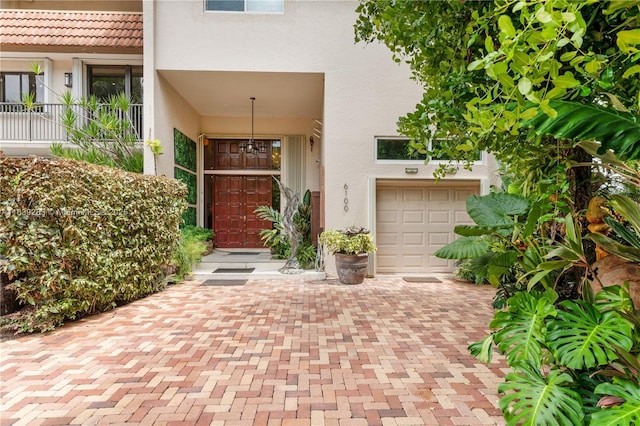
233, 270
243, 253
421, 279
224, 283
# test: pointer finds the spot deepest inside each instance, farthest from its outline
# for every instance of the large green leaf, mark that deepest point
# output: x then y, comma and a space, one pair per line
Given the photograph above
615, 130
628, 208
628, 413
521, 328
537, 400
626, 252
582, 337
623, 232
472, 231
495, 209
464, 248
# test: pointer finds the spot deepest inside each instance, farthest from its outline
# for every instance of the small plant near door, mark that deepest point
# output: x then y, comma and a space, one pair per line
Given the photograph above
196, 243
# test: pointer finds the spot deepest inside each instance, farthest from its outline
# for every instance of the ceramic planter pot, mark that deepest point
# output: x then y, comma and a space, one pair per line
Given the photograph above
352, 268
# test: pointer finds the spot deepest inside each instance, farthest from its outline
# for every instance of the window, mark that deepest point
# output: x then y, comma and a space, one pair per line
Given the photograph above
397, 149
14, 86
261, 6
110, 80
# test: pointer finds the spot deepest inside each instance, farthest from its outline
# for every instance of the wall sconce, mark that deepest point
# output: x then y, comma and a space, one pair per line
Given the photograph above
68, 79
311, 142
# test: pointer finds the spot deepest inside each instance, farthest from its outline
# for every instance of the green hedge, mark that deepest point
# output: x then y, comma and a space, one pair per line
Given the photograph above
84, 238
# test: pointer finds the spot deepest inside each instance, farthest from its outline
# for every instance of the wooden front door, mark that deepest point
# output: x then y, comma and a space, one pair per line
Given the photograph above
237, 196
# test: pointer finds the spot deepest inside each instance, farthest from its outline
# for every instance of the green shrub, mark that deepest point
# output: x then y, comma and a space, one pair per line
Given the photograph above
193, 245
84, 237
196, 233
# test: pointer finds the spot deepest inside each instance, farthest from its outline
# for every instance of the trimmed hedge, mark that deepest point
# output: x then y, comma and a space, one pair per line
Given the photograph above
84, 238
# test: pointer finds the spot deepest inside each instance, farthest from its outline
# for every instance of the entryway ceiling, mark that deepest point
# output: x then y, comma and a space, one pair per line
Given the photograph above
226, 94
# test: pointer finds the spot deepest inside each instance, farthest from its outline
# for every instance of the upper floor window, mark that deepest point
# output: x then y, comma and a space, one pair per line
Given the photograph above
261, 6
397, 149
15, 86
110, 80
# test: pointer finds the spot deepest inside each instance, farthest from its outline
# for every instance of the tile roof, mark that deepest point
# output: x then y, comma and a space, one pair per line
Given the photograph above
70, 29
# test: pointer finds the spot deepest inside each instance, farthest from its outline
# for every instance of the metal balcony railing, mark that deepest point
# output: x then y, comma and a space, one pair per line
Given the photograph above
42, 123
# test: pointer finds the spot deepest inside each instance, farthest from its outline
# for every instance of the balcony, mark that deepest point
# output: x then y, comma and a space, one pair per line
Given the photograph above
43, 123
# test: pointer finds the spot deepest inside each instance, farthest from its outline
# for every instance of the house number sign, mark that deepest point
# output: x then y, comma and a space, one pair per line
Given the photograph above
346, 198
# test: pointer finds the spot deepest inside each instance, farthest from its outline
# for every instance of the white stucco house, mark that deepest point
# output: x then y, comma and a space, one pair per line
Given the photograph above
323, 117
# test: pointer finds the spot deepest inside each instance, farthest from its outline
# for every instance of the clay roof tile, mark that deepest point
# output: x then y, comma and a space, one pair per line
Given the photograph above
71, 29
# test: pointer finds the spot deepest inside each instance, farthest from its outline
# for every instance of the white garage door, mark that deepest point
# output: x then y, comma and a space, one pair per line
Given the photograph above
416, 218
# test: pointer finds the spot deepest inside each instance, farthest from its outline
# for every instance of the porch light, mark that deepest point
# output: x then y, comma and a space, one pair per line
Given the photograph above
68, 79
251, 147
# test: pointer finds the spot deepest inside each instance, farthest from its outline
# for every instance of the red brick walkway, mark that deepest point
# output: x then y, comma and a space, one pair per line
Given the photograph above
385, 352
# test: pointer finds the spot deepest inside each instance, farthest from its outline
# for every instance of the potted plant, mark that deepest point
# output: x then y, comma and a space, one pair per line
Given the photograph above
351, 247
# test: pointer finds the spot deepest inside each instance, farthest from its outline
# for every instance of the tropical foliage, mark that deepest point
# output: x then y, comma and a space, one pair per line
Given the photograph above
545, 86
100, 133
97, 132
277, 239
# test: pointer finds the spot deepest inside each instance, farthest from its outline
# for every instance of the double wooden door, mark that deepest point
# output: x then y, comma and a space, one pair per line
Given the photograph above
237, 196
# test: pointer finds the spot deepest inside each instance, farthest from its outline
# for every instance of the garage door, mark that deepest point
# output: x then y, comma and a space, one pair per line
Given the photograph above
416, 218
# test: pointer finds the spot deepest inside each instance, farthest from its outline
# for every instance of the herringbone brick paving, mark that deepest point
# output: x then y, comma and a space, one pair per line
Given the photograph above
385, 352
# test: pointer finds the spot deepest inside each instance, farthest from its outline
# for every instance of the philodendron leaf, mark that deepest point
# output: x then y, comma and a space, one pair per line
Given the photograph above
464, 248
532, 399
495, 209
582, 337
628, 413
615, 130
482, 349
521, 328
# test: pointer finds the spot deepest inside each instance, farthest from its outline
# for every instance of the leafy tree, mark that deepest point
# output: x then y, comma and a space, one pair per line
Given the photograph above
487, 68
533, 82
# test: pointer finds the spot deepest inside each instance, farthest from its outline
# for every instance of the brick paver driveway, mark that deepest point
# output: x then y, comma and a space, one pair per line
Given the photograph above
267, 353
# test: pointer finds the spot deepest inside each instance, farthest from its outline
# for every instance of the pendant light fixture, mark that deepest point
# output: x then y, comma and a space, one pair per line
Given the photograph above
251, 147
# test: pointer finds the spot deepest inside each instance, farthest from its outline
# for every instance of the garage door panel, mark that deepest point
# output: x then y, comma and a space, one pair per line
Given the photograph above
463, 194
388, 217
439, 195
388, 195
439, 217
387, 239
413, 261
413, 222
439, 239
439, 265
387, 261
412, 194
413, 216
413, 239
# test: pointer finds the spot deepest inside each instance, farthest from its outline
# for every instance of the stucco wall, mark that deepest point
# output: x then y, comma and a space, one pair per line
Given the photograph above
171, 111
